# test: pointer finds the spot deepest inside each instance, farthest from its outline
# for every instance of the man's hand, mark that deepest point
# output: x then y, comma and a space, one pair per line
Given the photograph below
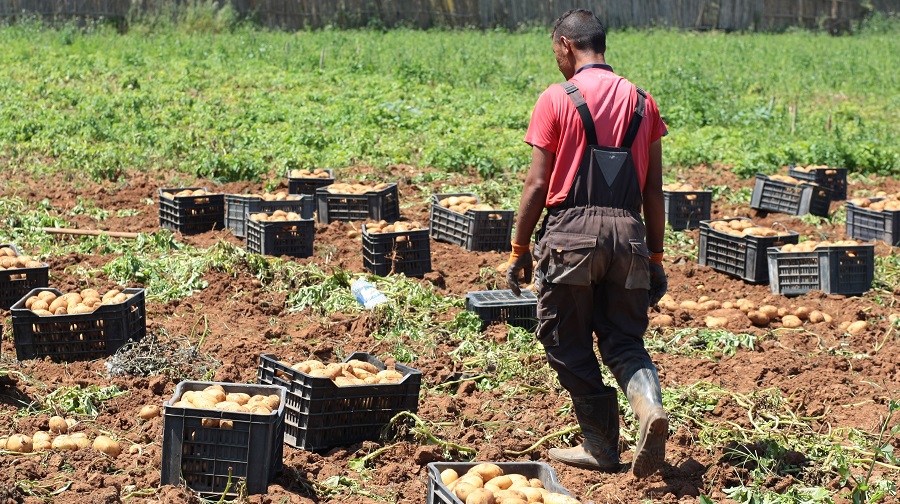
520, 264
659, 284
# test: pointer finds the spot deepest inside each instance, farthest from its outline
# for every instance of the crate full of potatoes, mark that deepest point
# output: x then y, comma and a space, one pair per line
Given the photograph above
340, 403
685, 205
359, 201
191, 210
216, 434
303, 181
76, 326
738, 247
474, 482
401, 247
238, 205
461, 219
841, 267
876, 218
280, 233
835, 179
19, 274
786, 194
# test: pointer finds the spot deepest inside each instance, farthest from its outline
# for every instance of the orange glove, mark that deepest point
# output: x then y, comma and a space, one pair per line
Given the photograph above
520, 263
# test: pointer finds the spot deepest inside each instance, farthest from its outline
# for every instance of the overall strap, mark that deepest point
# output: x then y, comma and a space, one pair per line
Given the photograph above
586, 118
636, 118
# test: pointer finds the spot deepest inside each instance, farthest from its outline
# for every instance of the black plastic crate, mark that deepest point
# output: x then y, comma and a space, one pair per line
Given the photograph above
15, 283
504, 306
320, 415
407, 252
834, 179
236, 206
203, 457
475, 230
383, 204
83, 336
191, 214
685, 209
281, 238
839, 269
308, 185
438, 493
867, 224
741, 256
794, 199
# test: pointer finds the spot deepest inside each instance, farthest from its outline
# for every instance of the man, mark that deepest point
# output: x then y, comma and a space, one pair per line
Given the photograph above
598, 265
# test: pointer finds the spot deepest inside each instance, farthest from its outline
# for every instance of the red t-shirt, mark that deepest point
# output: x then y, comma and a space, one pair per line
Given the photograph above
556, 126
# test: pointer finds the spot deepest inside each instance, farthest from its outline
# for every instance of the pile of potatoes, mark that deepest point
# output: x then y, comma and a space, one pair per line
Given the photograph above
787, 179
276, 216
46, 303
58, 438
486, 484
740, 227
9, 260
398, 227
890, 203
357, 188
344, 374
186, 192
810, 245
214, 397
276, 196
678, 187
807, 169
315, 173
462, 204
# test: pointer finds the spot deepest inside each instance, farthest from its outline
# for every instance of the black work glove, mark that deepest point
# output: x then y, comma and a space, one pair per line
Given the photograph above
520, 265
659, 284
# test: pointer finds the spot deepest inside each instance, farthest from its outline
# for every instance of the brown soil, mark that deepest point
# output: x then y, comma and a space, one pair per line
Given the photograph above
835, 379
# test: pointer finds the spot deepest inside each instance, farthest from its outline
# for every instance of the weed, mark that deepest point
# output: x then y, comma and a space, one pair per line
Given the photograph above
73, 400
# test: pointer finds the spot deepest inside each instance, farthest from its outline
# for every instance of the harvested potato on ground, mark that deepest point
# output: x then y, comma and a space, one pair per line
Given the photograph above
758, 318
58, 425
64, 442
149, 412
791, 321
857, 327
716, 322
662, 321
107, 445
19, 443
769, 311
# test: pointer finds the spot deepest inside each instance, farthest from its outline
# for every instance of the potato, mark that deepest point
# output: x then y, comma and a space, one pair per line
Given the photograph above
463, 490
363, 365
662, 321
480, 496
769, 311
502, 495
816, 316
689, 305
758, 318
226, 424
502, 481
19, 443
857, 327
229, 406
802, 313
272, 401
210, 423
81, 440
791, 321
42, 445
107, 445
64, 442
203, 401
716, 322
71, 422
532, 494
58, 425
40, 304
555, 498
149, 412
40, 436
260, 409
710, 304
518, 479
238, 397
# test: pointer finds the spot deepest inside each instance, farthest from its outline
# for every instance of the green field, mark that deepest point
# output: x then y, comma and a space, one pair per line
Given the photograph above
246, 102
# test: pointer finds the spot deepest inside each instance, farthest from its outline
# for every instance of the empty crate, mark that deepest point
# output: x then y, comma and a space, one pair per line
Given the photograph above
320, 415
504, 306
236, 206
834, 179
16, 282
382, 204
281, 238
794, 199
741, 256
191, 214
407, 252
685, 209
474, 230
199, 450
82, 336
844, 269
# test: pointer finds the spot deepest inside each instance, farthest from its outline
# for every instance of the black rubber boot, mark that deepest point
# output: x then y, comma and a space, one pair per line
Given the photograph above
645, 397
598, 416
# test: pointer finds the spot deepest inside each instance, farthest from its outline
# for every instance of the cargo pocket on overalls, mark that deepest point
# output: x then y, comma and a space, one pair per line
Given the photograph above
568, 258
548, 326
639, 273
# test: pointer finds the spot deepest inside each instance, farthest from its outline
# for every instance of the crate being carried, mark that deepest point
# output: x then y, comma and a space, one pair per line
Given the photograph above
780, 193
528, 478
835, 179
191, 210
874, 219
211, 439
322, 413
504, 306
461, 219
280, 233
685, 206
402, 247
842, 267
91, 327
238, 205
19, 274
739, 247
307, 181
358, 202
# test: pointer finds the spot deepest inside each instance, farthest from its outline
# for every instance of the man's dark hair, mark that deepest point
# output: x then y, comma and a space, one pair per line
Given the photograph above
583, 28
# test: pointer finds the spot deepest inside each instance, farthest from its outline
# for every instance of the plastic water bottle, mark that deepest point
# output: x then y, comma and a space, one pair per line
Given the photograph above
367, 294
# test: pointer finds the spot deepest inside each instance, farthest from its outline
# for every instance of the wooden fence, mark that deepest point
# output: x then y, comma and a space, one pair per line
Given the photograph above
762, 15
